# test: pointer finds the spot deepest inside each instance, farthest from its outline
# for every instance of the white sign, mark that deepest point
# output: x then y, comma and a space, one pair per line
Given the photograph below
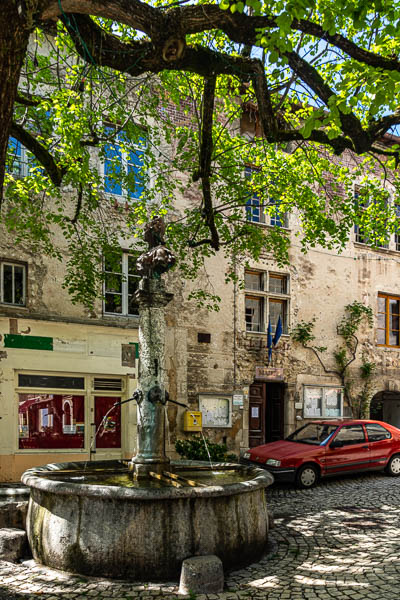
216, 410
255, 412
238, 400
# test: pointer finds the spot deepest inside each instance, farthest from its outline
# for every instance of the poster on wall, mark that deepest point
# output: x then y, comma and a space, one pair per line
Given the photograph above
312, 402
216, 410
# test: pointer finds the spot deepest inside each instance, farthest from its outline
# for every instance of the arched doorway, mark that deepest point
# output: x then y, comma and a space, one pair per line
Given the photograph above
385, 406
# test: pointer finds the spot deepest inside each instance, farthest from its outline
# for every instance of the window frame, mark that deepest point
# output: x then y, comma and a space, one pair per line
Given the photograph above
125, 162
387, 298
254, 205
267, 297
13, 264
359, 237
19, 155
124, 287
89, 394
323, 389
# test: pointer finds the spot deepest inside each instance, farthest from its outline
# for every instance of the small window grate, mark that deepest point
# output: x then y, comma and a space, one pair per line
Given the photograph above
204, 338
103, 383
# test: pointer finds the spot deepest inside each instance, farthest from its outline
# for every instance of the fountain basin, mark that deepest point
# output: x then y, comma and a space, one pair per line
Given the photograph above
79, 521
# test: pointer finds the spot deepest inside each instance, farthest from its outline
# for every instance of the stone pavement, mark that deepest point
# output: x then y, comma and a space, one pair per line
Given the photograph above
340, 540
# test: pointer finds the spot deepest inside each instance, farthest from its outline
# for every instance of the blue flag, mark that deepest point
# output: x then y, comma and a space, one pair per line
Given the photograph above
278, 331
269, 341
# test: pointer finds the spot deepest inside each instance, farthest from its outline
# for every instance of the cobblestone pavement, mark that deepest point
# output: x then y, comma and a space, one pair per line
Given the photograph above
339, 541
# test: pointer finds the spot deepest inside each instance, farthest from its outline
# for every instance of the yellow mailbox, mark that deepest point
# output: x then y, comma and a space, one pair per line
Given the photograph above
192, 420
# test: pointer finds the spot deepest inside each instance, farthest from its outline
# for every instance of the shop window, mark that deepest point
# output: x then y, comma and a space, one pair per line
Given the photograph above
120, 284
51, 381
51, 421
107, 422
320, 401
12, 283
388, 330
266, 299
122, 158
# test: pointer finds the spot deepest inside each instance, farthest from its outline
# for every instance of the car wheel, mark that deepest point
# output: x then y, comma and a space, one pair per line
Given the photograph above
306, 476
393, 466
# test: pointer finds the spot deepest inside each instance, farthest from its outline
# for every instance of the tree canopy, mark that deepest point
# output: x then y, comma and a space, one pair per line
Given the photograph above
172, 82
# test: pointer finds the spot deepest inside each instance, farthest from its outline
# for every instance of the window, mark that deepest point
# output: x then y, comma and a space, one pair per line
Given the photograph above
12, 283
256, 208
359, 232
377, 433
48, 420
61, 418
17, 161
323, 401
397, 235
120, 285
266, 298
350, 435
20, 162
388, 320
123, 163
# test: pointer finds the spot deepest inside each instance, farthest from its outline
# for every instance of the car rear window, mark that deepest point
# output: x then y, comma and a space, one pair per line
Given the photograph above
377, 432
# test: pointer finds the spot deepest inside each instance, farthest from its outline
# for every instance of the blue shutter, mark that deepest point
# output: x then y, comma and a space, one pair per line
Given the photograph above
135, 166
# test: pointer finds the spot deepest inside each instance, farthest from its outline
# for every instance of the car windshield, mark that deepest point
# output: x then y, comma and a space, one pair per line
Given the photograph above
313, 433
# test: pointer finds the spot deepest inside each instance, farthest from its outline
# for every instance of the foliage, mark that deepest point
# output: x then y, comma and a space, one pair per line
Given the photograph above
351, 321
194, 448
317, 79
302, 332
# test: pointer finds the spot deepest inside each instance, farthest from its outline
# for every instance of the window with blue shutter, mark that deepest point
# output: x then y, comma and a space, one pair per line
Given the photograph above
117, 162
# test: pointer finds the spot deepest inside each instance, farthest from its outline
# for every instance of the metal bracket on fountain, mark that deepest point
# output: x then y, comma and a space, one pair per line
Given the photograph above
152, 299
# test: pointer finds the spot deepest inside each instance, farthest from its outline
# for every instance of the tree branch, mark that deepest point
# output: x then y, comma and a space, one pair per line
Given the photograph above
55, 172
206, 149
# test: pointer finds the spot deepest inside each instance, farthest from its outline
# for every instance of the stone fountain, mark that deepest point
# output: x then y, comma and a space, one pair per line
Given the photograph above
140, 519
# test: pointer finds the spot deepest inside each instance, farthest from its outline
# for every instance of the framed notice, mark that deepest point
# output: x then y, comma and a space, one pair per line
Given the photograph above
323, 401
216, 410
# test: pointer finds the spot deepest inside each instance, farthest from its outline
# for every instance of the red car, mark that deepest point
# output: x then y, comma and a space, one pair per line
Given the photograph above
324, 448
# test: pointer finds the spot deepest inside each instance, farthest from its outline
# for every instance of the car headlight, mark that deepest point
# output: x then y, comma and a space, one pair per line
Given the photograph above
246, 455
272, 462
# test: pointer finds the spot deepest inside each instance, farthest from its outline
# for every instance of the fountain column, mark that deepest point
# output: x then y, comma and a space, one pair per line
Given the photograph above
152, 299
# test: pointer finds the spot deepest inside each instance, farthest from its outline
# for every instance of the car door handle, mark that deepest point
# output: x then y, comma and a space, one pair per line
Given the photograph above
364, 447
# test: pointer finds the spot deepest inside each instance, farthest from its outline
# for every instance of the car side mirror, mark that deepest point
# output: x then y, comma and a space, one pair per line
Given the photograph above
336, 444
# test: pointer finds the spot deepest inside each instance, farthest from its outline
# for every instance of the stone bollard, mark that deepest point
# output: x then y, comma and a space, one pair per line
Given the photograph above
202, 575
13, 544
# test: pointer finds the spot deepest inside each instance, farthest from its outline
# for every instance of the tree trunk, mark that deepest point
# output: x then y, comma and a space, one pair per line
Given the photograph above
14, 37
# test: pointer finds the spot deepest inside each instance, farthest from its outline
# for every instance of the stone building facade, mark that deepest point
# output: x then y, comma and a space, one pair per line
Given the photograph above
62, 368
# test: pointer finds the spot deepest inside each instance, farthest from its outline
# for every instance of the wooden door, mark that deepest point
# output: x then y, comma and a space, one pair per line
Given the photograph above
274, 412
266, 413
256, 414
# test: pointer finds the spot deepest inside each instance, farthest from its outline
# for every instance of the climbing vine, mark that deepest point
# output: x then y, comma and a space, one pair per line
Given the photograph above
356, 314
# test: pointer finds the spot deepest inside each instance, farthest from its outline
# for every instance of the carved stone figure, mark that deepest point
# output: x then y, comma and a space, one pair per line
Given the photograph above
158, 259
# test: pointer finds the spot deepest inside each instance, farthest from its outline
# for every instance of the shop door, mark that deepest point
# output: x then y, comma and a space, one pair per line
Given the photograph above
107, 427
265, 413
